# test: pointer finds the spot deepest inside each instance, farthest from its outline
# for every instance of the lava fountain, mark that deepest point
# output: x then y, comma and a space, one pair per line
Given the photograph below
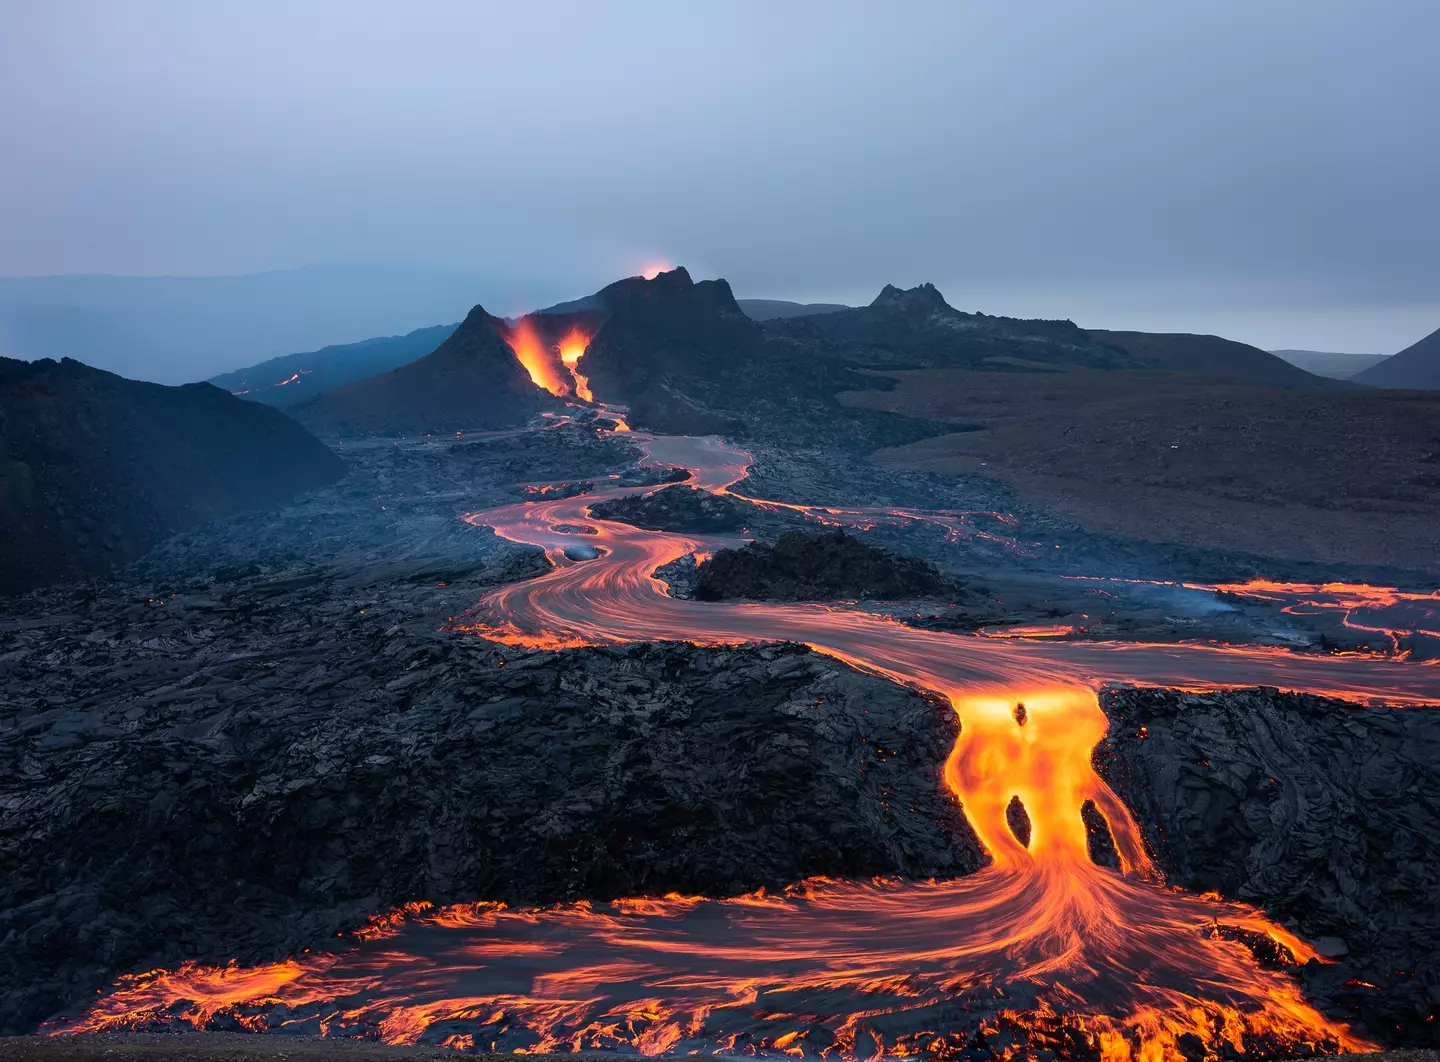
1042, 950
551, 366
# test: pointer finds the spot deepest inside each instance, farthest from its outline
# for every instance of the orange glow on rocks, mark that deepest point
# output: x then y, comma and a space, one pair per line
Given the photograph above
544, 368
572, 349
551, 366
1040, 948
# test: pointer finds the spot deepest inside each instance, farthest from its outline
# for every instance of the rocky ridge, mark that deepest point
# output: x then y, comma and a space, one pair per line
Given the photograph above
1325, 814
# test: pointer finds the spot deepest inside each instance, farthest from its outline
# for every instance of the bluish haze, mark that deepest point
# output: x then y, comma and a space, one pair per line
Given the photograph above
1264, 171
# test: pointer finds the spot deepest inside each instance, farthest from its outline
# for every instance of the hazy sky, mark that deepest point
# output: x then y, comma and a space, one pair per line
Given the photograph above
1266, 170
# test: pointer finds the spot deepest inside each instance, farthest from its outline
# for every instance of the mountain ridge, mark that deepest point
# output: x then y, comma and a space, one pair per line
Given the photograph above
1416, 367
470, 381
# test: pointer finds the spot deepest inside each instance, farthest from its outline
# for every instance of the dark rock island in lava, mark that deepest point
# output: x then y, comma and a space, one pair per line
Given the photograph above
803, 566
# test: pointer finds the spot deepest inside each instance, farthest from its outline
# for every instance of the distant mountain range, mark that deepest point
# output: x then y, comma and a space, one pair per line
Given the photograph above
288, 380
687, 356
1327, 363
180, 329
292, 378
1417, 366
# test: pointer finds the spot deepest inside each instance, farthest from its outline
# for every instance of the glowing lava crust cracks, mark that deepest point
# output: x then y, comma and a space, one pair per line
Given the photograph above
1042, 950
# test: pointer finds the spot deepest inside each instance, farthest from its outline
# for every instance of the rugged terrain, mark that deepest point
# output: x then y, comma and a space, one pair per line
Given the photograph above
803, 566
1324, 814
96, 469
1348, 477
235, 803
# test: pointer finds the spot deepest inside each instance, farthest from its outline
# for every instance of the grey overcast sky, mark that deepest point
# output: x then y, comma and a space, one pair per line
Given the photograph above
1267, 170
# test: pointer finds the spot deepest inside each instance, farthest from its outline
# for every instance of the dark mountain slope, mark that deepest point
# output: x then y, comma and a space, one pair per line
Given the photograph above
686, 358
95, 469
918, 329
1417, 367
289, 380
471, 381
1213, 356
664, 346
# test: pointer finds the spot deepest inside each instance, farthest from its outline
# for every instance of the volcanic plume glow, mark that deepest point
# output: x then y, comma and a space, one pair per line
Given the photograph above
1041, 948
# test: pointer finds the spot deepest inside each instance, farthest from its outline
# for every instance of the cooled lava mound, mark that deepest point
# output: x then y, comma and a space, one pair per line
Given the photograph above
802, 566
680, 508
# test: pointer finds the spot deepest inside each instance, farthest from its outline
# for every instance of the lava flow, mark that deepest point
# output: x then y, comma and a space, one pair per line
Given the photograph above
572, 349
1040, 950
1405, 613
551, 367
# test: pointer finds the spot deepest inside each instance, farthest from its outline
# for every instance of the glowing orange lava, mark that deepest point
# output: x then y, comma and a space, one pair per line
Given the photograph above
1408, 613
1040, 948
572, 349
539, 362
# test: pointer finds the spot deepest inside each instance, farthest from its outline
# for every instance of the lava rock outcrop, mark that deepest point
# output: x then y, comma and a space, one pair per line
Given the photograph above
1324, 813
95, 469
682, 509
250, 807
802, 566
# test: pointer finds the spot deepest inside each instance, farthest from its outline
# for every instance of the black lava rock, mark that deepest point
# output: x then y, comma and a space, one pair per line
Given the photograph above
219, 808
802, 566
1324, 813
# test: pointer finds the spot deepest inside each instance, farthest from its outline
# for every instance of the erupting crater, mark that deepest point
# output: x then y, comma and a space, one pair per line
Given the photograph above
551, 366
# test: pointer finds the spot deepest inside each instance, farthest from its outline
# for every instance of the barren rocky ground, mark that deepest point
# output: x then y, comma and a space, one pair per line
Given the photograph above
1340, 477
267, 709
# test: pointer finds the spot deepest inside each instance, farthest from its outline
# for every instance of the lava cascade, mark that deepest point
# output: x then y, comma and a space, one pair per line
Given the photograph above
1042, 949
572, 349
551, 367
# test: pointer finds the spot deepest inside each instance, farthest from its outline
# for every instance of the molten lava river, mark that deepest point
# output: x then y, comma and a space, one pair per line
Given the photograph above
1040, 954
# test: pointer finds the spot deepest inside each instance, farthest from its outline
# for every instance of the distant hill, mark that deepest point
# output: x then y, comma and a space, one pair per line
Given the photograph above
292, 378
180, 329
96, 469
1212, 356
1325, 363
1417, 366
471, 381
774, 309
